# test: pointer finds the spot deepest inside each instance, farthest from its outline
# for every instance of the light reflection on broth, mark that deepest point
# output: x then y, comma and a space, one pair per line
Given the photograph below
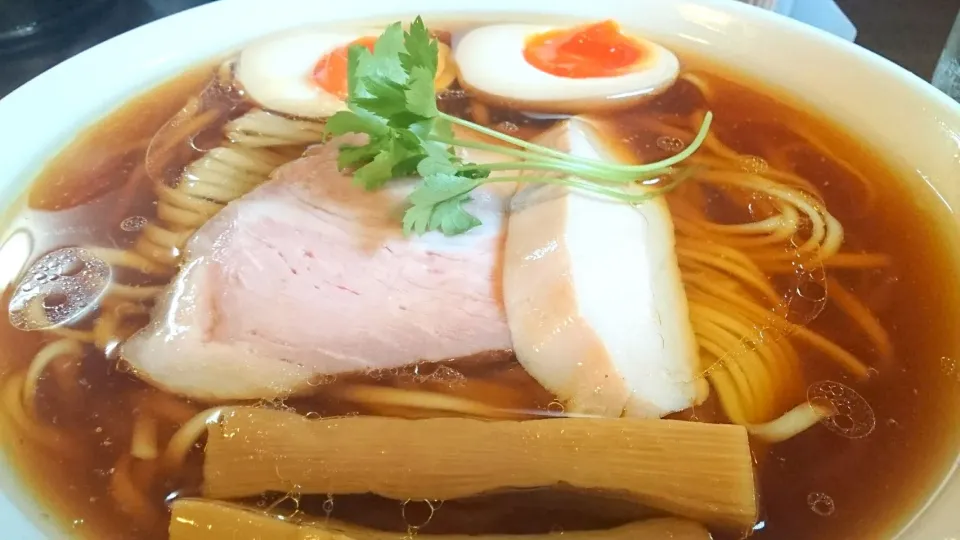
110, 452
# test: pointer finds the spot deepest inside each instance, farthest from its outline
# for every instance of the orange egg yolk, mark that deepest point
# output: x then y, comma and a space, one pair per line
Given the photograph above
331, 71
583, 52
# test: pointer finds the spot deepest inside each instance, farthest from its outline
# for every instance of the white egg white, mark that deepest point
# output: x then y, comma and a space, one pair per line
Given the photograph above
491, 63
277, 72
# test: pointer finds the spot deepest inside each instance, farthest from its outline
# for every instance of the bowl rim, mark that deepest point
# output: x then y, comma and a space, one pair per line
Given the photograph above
143, 57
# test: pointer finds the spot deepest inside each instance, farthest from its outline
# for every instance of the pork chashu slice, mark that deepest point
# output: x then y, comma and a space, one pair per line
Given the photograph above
309, 276
593, 293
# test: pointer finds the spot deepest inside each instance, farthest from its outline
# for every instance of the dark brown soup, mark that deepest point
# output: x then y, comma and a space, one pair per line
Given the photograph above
818, 484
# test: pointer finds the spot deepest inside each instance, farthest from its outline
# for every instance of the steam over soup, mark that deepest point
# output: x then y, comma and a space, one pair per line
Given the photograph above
503, 281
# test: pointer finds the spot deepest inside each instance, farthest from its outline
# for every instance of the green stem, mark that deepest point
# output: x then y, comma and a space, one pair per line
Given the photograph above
496, 148
673, 160
614, 193
559, 165
545, 166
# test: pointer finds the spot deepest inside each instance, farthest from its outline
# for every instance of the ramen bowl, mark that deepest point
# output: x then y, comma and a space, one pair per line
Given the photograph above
912, 129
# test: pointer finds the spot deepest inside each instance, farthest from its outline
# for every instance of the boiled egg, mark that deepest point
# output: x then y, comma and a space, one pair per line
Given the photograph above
554, 69
304, 73
301, 73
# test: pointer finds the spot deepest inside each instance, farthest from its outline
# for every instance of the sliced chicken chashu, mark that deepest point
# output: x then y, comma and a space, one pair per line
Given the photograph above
310, 276
593, 294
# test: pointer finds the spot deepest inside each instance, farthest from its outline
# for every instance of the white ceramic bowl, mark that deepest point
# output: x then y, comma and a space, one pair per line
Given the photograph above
907, 120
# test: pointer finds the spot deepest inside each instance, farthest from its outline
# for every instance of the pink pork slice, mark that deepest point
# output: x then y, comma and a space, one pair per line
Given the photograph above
310, 276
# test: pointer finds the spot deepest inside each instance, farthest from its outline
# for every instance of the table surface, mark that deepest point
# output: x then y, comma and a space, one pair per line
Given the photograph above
909, 32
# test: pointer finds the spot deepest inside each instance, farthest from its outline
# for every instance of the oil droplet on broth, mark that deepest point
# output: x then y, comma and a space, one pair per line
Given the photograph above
555, 407
133, 223
950, 369
322, 380
452, 94
61, 287
812, 287
821, 503
441, 374
853, 417
418, 514
753, 164
328, 505
670, 144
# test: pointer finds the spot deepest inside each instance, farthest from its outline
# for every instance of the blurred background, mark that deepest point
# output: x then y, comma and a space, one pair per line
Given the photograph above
37, 34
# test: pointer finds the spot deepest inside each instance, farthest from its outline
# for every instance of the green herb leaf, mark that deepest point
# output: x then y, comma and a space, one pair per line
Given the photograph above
392, 99
407, 166
442, 129
377, 172
387, 98
384, 63
421, 99
352, 156
416, 219
433, 165
440, 187
420, 50
450, 218
357, 121
357, 55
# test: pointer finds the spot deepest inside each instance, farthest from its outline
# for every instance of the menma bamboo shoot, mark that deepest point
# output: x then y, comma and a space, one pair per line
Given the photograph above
197, 519
700, 471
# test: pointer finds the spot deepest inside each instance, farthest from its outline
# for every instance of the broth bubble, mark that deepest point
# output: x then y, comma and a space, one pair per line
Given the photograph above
70, 267
54, 300
670, 144
853, 417
753, 164
949, 366
452, 94
445, 375
60, 287
322, 380
418, 513
809, 287
821, 503
133, 223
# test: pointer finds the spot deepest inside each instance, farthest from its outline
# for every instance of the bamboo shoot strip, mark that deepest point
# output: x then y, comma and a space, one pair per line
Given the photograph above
197, 519
700, 471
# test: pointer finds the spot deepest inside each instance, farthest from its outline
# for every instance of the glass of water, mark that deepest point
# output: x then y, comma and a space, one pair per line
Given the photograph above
946, 76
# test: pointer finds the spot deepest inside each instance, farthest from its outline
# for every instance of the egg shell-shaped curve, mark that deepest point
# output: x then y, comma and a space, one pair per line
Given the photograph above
491, 64
277, 72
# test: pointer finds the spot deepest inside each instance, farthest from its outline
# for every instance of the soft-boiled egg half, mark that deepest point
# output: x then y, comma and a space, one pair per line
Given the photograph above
304, 73
555, 69
301, 73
